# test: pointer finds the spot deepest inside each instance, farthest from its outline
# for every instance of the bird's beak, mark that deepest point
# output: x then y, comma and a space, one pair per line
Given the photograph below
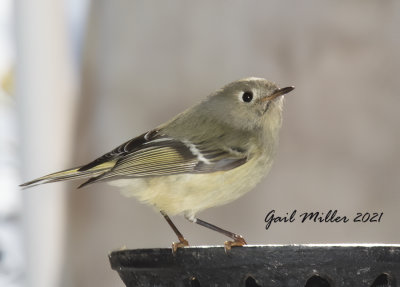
277, 93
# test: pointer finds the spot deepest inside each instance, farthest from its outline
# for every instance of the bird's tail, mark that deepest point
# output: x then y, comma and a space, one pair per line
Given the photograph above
70, 174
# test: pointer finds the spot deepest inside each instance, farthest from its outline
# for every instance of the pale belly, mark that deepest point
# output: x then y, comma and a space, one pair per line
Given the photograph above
191, 193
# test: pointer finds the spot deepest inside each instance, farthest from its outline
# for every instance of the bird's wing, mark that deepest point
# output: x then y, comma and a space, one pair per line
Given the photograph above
156, 154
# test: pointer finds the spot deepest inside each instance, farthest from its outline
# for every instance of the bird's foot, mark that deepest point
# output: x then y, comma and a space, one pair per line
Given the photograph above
237, 241
182, 243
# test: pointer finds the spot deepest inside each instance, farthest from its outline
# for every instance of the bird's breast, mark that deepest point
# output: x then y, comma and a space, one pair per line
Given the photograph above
191, 193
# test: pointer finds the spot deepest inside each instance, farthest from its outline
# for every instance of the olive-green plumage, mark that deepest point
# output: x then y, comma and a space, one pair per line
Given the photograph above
208, 155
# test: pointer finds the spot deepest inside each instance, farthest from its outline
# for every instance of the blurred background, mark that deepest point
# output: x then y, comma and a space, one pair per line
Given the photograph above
79, 77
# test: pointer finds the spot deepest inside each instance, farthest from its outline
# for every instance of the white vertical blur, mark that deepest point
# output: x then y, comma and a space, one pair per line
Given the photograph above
46, 90
11, 255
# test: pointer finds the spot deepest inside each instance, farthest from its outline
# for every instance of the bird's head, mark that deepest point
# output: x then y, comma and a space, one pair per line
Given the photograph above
249, 103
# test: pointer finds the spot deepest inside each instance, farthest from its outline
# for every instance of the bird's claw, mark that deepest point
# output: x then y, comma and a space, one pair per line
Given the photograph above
182, 243
237, 241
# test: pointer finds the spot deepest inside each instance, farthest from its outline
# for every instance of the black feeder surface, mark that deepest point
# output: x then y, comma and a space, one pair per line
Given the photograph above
270, 265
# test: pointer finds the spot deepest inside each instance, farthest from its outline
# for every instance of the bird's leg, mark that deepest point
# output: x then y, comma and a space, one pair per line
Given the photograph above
238, 240
182, 241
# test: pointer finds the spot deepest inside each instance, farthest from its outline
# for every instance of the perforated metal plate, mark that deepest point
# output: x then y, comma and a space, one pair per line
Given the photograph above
286, 265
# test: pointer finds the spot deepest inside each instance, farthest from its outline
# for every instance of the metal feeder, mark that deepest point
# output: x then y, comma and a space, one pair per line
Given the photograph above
270, 265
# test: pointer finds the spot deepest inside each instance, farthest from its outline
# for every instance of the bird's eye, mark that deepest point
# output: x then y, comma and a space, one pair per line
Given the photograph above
247, 97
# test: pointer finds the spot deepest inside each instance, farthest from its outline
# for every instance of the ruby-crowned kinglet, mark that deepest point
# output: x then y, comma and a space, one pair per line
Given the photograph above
208, 155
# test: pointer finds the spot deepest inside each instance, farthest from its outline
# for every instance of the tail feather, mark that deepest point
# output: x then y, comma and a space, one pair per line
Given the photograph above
69, 174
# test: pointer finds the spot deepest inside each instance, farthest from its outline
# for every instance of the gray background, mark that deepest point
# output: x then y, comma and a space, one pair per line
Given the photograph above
145, 61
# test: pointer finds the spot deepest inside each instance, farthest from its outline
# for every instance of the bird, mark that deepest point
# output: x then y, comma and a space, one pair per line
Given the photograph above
209, 155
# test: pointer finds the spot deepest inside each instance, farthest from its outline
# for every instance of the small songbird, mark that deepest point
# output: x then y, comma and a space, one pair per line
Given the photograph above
209, 155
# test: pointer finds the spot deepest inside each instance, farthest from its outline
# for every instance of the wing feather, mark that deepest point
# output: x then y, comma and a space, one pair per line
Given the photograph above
162, 156
152, 154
